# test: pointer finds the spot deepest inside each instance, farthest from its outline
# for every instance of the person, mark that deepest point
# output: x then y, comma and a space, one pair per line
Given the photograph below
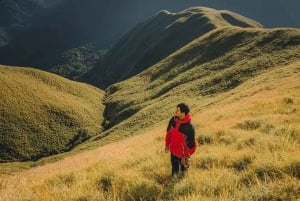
180, 139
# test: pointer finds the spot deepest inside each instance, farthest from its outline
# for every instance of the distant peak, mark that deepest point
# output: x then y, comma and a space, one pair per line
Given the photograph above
163, 13
198, 9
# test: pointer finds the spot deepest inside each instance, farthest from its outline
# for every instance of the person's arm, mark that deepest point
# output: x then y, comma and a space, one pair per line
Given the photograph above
190, 141
171, 124
168, 135
189, 132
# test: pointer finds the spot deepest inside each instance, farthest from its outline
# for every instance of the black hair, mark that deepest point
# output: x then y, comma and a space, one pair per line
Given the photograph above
184, 108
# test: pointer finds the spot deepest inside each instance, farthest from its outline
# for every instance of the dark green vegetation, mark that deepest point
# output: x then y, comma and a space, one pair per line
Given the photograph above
38, 33
42, 114
78, 61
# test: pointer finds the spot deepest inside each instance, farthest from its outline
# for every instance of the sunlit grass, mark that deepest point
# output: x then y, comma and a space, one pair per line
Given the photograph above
248, 150
243, 89
43, 114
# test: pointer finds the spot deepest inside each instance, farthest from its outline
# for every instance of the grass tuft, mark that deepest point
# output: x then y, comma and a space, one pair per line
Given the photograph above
293, 169
143, 190
202, 140
242, 163
249, 125
268, 172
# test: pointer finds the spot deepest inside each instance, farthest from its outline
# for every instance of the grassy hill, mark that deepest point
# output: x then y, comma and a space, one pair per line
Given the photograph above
156, 38
212, 64
248, 138
243, 88
43, 114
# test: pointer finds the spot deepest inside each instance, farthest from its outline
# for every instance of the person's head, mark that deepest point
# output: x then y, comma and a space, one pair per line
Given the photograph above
182, 110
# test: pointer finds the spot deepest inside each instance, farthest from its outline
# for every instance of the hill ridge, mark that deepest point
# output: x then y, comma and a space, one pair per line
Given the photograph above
156, 38
214, 63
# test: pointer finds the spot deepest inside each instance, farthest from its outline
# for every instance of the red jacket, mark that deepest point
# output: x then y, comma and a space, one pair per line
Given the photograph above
176, 140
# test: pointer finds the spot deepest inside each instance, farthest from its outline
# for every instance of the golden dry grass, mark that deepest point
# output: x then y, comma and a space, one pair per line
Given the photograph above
249, 150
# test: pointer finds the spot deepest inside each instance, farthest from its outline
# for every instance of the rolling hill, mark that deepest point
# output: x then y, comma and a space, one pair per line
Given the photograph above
216, 61
242, 84
44, 114
248, 139
210, 65
38, 33
156, 38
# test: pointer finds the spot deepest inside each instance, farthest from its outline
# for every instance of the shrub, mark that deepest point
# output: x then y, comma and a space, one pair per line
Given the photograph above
207, 163
248, 179
184, 188
249, 125
288, 134
288, 100
205, 140
242, 163
246, 143
144, 190
293, 169
105, 183
268, 172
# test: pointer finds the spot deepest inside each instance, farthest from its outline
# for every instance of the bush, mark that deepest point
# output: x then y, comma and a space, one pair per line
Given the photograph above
288, 100
207, 163
249, 125
242, 163
246, 143
293, 169
144, 190
248, 179
184, 188
105, 183
268, 172
205, 140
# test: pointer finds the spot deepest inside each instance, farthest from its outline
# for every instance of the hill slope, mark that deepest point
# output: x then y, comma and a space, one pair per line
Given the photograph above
214, 63
43, 114
156, 38
41, 40
248, 150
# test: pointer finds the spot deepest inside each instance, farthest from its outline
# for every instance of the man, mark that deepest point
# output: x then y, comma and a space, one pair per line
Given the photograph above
180, 139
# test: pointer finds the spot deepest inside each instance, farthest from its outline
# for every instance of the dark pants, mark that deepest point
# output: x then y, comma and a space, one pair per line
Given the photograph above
176, 165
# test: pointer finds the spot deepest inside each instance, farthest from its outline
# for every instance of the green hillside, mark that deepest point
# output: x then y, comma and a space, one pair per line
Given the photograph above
210, 65
43, 114
241, 82
249, 149
156, 38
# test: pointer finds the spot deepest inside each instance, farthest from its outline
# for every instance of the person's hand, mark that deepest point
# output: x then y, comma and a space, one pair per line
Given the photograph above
166, 149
